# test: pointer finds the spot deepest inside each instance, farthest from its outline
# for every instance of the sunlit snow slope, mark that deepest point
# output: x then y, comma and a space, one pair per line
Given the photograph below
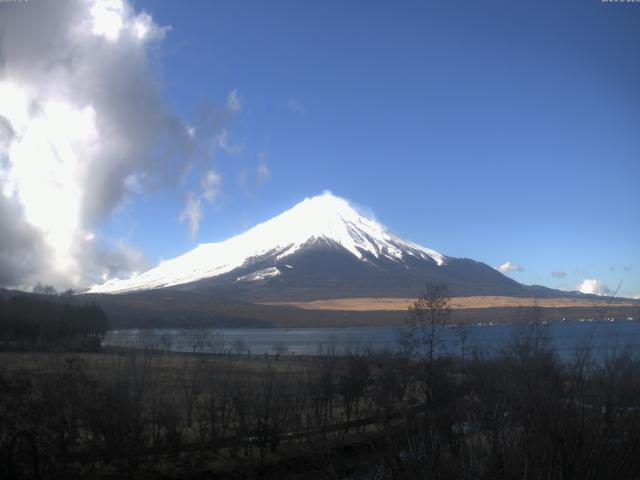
324, 218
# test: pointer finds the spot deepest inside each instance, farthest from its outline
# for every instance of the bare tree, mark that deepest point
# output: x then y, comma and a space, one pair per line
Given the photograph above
280, 348
215, 405
147, 340
422, 333
461, 332
192, 383
198, 339
352, 384
40, 289
430, 312
239, 345
218, 342
165, 341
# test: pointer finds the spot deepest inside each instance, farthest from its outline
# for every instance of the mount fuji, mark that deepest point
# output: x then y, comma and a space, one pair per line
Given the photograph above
322, 248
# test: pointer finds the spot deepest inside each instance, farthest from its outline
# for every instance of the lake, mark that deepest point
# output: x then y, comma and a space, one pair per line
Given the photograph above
603, 336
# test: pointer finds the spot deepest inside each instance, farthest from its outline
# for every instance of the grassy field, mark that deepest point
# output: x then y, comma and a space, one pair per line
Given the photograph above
170, 367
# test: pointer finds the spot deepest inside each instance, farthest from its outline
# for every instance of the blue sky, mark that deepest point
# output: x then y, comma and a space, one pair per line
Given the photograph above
500, 131
489, 130
496, 130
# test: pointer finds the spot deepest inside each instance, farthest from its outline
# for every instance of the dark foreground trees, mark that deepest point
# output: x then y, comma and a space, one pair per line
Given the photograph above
418, 413
517, 414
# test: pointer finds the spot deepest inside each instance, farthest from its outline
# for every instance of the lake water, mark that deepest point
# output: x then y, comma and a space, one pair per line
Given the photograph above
603, 336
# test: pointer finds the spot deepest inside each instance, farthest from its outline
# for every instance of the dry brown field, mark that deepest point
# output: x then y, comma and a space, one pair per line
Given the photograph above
457, 303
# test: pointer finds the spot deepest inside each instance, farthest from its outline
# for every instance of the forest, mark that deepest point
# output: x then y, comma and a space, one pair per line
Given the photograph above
46, 321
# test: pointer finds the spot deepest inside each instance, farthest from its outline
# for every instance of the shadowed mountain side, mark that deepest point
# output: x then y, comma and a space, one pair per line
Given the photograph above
160, 309
323, 270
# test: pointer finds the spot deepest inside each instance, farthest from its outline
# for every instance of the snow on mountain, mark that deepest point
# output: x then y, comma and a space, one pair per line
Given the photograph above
260, 275
324, 217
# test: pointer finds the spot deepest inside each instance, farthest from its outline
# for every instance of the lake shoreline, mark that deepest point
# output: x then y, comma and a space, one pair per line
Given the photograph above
565, 336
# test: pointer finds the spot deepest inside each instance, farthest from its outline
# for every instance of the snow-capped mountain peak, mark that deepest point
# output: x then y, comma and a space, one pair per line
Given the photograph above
324, 217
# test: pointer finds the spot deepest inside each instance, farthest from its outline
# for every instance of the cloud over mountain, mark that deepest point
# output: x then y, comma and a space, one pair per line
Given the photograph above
593, 286
192, 214
510, 267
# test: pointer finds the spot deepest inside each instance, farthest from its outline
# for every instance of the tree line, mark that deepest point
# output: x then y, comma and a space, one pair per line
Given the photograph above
44, 320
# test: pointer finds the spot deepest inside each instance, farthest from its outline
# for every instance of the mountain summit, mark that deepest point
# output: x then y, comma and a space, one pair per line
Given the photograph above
320, 248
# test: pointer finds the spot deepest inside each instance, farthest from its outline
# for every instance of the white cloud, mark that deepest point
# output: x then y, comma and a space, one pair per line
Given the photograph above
134, 182
251, 180
192, 213
112, 19
234, 102
243, 177
224, 143
593, 286
82, 127
558, 274
263, 173
509, 267
211, 184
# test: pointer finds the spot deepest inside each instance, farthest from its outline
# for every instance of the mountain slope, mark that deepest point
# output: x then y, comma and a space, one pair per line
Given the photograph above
321, 248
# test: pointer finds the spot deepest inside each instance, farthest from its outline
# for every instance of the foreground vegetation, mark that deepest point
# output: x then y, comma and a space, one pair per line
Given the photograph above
145, 413
414, 413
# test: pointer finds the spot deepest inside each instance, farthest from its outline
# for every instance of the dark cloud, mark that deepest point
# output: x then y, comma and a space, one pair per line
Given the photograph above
21, 248
558, 274
117, 260
6, 132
